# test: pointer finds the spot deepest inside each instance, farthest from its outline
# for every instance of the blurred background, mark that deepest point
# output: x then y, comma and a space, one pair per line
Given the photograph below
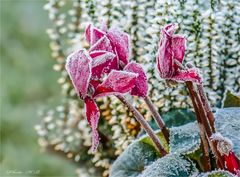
28, 83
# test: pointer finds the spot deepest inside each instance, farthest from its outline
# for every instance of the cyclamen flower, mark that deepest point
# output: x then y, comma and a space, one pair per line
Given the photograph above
225, 147
115, 41
171, 51
96, 73
111, 40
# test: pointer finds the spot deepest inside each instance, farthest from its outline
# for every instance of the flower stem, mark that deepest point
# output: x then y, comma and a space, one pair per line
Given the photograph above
201, 115
206, 106
157, 118
144, 124
201, 127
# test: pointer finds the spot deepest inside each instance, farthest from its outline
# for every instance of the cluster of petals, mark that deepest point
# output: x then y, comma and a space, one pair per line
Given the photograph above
170, 54
104, 70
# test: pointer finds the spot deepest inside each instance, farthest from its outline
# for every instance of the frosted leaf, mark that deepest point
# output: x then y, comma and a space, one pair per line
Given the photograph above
78, 66
217, 173
184, 139
231, 99
179, 47
227, 122
133, 160
117, 82
170, 166
141, 85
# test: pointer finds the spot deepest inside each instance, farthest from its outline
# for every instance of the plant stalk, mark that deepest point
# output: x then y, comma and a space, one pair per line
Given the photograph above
200, 112
206, 106
201, 127
144, 124
157, 118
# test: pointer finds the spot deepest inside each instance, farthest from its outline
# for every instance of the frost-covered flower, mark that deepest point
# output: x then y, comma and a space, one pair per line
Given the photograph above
84, 70
112, 40
115, 41
225, 147
171, 51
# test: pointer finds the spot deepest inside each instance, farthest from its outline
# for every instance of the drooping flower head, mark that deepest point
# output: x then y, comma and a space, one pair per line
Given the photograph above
171, 51
104, 70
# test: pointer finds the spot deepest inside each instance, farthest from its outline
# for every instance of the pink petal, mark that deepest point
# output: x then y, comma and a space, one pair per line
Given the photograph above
93, 34
178, 47
121, 42
141, 85
102, 44
165, 57
78, 66
189, 75
117, 82
102, 63
169, 29
93, 115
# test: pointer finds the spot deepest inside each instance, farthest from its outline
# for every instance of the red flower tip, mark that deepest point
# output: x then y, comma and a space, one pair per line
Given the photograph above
225, 147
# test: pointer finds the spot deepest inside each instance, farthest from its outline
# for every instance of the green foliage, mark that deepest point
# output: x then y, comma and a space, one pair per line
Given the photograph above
218, 173
184, 139
177, 117
231, 99
133, 160
227, 122
146, 139
184, 142
170, 165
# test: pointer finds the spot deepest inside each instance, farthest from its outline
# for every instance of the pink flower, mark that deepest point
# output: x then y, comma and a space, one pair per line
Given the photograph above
111, 40
171, 51
86, 70
117, 42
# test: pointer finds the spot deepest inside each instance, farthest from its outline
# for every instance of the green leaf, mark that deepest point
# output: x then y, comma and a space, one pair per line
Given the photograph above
227, 122
218, 173
133, 160
178, 117
230, 99
185, 139
147, 140
170, 165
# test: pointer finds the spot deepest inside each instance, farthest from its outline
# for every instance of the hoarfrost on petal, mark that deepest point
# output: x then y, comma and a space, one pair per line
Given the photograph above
188, 75
102, 44
78, 66
93, 115
121, 42
117, 82
141, 85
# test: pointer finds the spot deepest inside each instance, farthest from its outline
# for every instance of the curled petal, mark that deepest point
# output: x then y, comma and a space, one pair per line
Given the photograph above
102, 44
178, 47
117, 82
231, 162
92, 114
102, 63
78, 66
93, 34
188, 75
121, 42
141, 86
165, 57
169, 29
